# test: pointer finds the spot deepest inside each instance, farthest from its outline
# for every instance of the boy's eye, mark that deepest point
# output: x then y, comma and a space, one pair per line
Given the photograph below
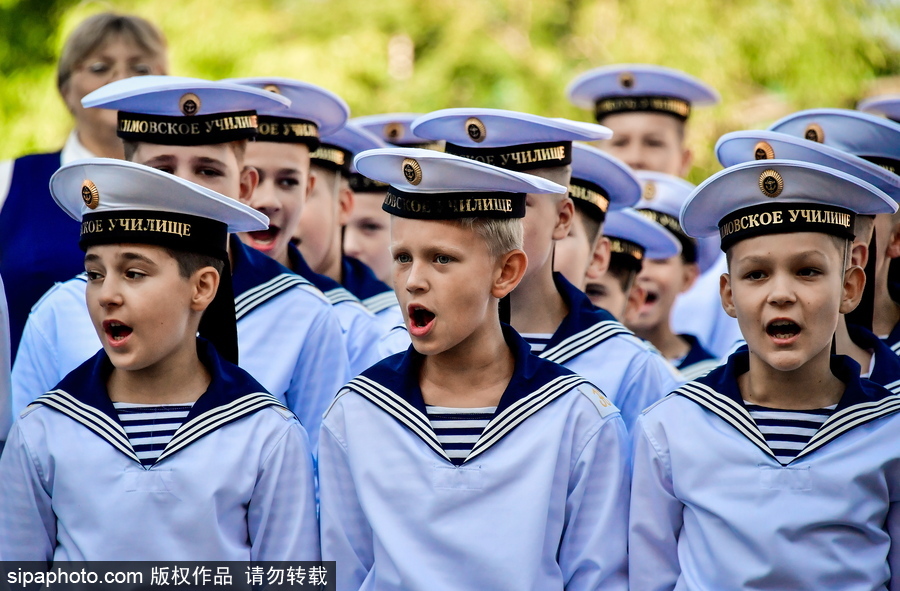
596, 290
403, 258
443, 259
209, 172
809, 272
754, 275
370, 227
93, 275
140, 69
132, 274
288, 183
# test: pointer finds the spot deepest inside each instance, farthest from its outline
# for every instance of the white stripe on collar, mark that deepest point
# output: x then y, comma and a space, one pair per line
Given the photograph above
580, 342
380, 302
256, 296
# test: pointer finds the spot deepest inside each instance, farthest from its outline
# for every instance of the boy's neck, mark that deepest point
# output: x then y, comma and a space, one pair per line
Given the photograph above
808, 387
536, 306
667, 342
844, 345
179, 378
886, 314
473, 374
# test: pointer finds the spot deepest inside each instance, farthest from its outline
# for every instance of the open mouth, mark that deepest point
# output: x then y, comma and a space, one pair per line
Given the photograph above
421, 320
115, 331
782, 329
264, 238
652, 297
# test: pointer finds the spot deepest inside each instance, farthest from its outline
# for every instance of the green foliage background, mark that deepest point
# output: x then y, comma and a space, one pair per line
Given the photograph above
766, 57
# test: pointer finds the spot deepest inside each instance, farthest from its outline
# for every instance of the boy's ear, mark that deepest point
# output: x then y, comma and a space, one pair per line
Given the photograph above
205, 282
859, 254
310, 185
249, 180
637, 295
510, 270
726, 294
687, 160
346, 199
893, 249
691, 273
565, 216
600, 259
854, 283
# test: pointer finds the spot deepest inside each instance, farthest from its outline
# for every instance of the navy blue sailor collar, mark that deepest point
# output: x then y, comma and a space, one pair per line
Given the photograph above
584, 327
862, 401
393, 385
886, 371
360, 280
698, 360
893, 339
231, 395
334, 291
257, 278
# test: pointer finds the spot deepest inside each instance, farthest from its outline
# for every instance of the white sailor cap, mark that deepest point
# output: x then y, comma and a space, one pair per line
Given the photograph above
661, 201
430, 185
887, 105
121, 202
634, 238
623, 88
118, 201
396, 130
508, 139
872, 138
745, 146
313, 111
779, 196
177, 111
601, 182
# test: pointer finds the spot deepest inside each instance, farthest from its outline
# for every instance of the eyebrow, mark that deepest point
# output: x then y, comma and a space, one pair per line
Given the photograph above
91, 258
207, 160
133, 256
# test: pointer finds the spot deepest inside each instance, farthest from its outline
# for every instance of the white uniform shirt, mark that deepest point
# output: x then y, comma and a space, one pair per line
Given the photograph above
235, 483
539, 503
289, 338
712, 508
591, 343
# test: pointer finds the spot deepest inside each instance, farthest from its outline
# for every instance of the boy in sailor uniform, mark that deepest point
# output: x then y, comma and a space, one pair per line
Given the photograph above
665, 280
876, 140
290, 338
467, 462
280, 155
328, 208
853, 337
648, 107
777, 470
553, 315
632, 239
599, 183
157, 448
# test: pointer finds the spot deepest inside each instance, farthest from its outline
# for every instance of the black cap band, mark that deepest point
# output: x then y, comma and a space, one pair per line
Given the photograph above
889, 164
519, 158
363, 184
193, 130
770, 218
179, 231
590, 197
287, 130
679, 108
670, 223
332, 158
626, 254
454, 206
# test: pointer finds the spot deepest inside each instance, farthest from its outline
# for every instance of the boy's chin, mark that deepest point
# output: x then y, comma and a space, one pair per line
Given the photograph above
786, 360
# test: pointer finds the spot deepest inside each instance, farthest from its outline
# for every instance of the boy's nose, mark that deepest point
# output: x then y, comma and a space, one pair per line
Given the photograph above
415, 280
263, 199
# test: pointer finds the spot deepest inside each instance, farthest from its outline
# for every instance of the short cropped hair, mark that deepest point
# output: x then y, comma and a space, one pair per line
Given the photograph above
625, 275
191, 262
96, 31
501, 236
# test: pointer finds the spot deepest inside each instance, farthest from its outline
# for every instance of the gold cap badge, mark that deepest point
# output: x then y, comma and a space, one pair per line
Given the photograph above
189, 104
476, 130
814, 133
770, 183
272, 88
626, 79
90, 194
412, 171
763, 151
393, 131
649, 192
